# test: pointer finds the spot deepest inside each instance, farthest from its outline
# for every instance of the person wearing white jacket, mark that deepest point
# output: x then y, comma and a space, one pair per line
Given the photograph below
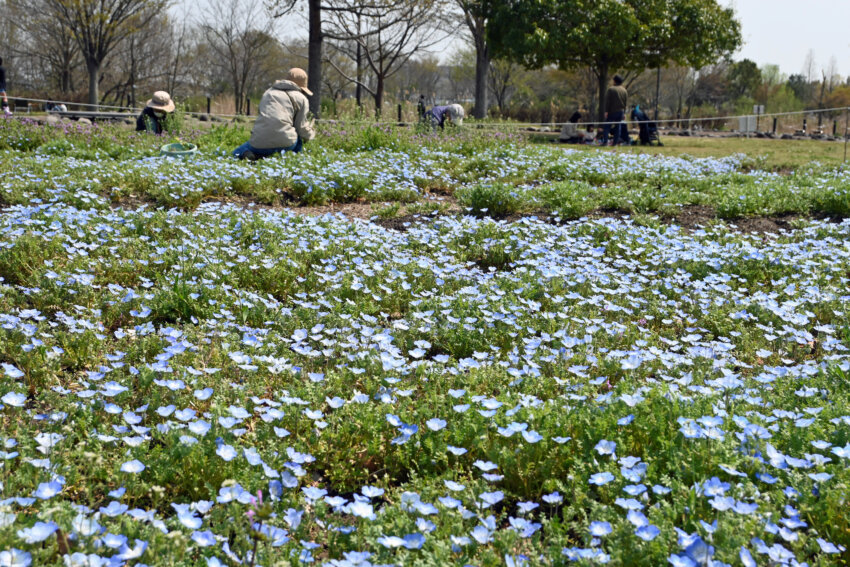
282, 124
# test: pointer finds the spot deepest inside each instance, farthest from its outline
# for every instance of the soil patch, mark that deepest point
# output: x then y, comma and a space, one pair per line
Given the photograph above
692, 216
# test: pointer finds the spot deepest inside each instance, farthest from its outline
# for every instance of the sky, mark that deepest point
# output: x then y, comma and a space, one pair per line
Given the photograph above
783, 31
777, 32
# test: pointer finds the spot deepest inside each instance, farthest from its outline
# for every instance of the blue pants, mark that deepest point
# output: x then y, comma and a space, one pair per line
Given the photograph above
266, 152
621, 132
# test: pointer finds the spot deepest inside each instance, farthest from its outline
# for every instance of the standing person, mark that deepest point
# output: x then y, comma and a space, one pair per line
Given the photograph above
616, 99
157, 109
5, 102
439, 114
282, 124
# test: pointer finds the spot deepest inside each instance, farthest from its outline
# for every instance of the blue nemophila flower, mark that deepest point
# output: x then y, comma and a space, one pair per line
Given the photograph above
12, 371
599, 529
127, 553
435, 424
372, 491
85, 526
747, 558
820, 477
491, 498
601, 478
203, 394
843, 452
15, 558
553, 499
361, 509
681, 561
14, 399
313, 493
226, 452
203, 539
828, 547
39, 532
47, 490
113, 541
485, 466
133, 467
605, 447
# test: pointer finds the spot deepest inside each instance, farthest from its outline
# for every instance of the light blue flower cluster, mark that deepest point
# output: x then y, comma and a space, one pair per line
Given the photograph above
465, 389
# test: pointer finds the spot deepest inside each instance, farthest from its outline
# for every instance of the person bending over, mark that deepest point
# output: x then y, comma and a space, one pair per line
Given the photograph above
438, 115
282, 124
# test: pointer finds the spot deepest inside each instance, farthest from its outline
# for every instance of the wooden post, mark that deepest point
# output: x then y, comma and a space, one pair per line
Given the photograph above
399, 113
774, 125
834, 128
248, 100
208, 105
804, 125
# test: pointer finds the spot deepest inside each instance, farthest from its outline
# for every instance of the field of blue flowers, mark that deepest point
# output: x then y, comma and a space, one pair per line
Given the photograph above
185, 381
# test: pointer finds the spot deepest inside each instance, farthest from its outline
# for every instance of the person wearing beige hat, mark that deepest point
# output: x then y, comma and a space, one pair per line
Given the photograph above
282, 124
152, 117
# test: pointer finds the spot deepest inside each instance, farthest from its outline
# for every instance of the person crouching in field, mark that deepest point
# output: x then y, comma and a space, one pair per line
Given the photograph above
156, 111
438, 115
282, 124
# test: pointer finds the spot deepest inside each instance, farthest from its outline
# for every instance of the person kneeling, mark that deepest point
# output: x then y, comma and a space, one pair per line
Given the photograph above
156, 111
282, 124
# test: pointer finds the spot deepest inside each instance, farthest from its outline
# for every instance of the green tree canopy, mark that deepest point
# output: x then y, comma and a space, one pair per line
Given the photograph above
744, 78
611, 35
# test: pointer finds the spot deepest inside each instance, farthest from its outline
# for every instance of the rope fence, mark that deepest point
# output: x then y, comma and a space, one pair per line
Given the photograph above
682, 123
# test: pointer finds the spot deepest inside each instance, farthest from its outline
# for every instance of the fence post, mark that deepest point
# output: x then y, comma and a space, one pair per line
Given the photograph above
399, 113
834, 128
774, 125
248, 106
208, 105
804, 125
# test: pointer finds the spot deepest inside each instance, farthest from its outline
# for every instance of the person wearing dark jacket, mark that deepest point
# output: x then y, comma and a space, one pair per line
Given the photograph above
157, 109
616, 100
5, 102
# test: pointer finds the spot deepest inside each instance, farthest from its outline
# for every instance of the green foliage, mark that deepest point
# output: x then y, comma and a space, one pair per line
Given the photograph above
491, 199
610, 35
744, 78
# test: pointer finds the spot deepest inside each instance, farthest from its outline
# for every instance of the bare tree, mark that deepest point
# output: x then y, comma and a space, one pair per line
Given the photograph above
45, 40
418, 76
503, 80
239, 35
388, 35
809, 66
99, 25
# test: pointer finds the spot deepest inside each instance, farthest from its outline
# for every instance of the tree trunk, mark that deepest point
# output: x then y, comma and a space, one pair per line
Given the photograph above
602, 77
66, 80
314, 54
359, 62
379, 96
482, 67
94, 77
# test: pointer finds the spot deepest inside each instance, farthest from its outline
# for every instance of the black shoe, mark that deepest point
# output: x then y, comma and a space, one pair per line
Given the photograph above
250, 156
